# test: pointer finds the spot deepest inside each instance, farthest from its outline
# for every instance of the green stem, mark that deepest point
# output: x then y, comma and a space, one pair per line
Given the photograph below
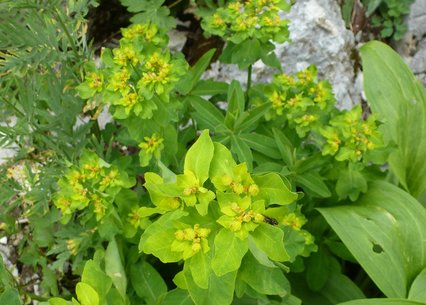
249, 72
174, 4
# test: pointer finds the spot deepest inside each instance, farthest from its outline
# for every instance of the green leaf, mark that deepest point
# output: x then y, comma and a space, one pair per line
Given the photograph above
206, 114
284, 146
229, 251
235, 99
159, 236
399, 99
270, 239
147, 282
114, 268
187, 83
11, 297
247, 120
200, 268
418, 288
243, 54
86, 294
372, 6
273, 189
242, 150
95, 277
55, 301
262, 144
265, 280
220, 291
199, 156
350, 183
209, 87
177, 297
318, 269
385, 231
222, 162
381, 302
313, 182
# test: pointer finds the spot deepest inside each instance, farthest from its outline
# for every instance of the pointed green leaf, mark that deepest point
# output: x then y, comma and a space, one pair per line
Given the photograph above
56, 301
399, 99
95, 277
114, 268
229, 251
418, 288
314, 183
147, 282
209, 88
243, 152
193, 76
177, 297
273, 189
265, 280
222, 162
200, 268
262, 144
86, 294
220, 291
270, 239
235, 99
386, 233
199, 156
206, 114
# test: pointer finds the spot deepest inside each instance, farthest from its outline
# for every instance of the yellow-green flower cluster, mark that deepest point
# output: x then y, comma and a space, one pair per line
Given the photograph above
190, 241
132, 74
241, 20
150, 147
93, 185
302, 100
349, 137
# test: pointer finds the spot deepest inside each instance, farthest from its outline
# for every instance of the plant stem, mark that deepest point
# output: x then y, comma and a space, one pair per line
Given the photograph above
249, 71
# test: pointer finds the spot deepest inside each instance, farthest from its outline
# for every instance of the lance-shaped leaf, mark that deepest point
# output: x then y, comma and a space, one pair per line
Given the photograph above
199, 156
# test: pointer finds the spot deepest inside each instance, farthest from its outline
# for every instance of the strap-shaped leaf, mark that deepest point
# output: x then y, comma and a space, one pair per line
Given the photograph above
399, 99
386, 232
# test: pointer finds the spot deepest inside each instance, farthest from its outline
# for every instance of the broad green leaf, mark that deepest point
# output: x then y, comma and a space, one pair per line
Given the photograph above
243, 152
95, 277
86, 294
229, 251
200, 266
220, 291
273, 189
246, 53
158, 237
114, 268
270, 239
222, 162
265, 280
56, 301
199, 156
206, 114
340, 288
209, 87
262, 144
11, 297
399, 99
382, 302
386, 233
188, 82
177, 297
418, 288
147, 282
313, 182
